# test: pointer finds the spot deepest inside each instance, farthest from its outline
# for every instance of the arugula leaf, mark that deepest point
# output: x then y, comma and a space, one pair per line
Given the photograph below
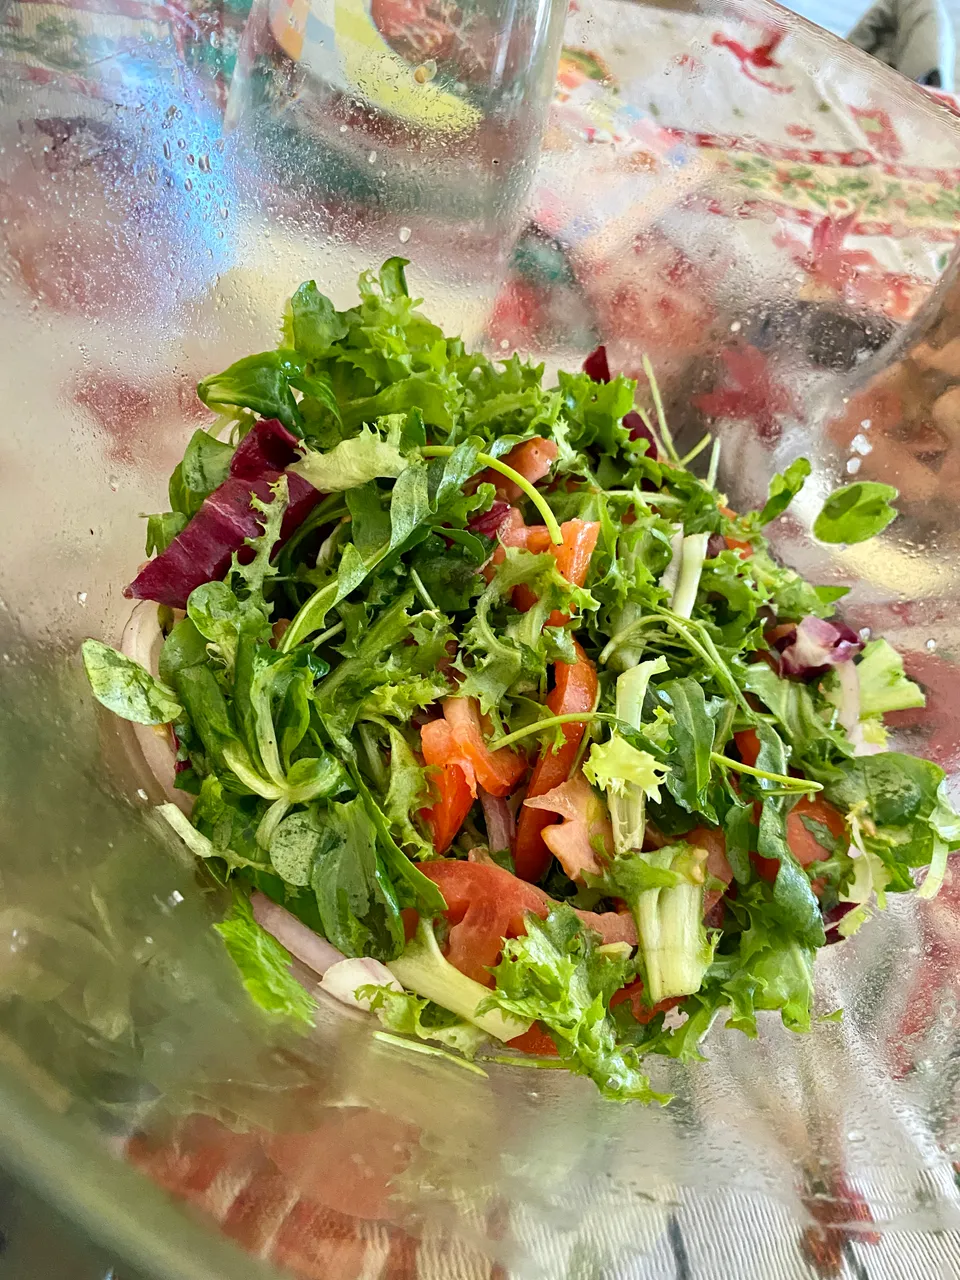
793, 899
557, 974
784, 487
126, 688
692, 734
264, 965
856, 512
206, 463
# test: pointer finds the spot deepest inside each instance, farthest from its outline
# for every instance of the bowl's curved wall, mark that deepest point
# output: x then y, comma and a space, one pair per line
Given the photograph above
762, 210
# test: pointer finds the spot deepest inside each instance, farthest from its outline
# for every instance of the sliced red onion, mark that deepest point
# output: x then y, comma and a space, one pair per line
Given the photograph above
596, 367
499, 820
489, 522
343, 978
832, 919
309, 948
815, 646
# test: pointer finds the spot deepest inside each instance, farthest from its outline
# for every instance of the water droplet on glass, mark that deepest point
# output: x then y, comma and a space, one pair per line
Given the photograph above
853, 466
735, 327
114, 483
930, 645
867, 423
864, 633
188, 184
142, 794
203, 163
81, 598
403, 235
166, 149
855, 1136
425, 72
504, 344
343, 128
860, 444
372, 158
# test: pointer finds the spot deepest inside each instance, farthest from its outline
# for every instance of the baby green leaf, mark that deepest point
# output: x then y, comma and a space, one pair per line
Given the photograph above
126, 688
784, 487
856, 512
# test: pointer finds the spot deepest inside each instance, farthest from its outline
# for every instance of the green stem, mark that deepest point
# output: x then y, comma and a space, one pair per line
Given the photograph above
789, 784
714, 464
430, 1051
422, 591
538, 500
528, 731
645, 419
695, 452
658, 406
541, 1064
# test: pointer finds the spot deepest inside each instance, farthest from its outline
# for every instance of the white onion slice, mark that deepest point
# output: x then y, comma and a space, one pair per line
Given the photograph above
142, 641
499, 821
343, 978
848, 707
309, 948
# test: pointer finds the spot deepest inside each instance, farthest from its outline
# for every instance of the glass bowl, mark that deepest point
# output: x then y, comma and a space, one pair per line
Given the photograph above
767, 214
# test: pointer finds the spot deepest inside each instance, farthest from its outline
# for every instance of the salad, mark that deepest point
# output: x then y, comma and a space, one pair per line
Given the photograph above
487, 708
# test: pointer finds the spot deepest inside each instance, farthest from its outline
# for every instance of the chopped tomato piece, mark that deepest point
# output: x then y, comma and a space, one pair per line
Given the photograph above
584, 825
573, 554
448, 814
715, 842
535, 1041
533, 459
612, 926
454, 780
748, 744
745, 549
496, 771
575, 690
643, 1012
486, 904
804, 845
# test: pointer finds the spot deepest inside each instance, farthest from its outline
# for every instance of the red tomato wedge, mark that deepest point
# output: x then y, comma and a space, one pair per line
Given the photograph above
584, 824
714, 841
455, 782
573, 557
497, 771
536, 1042
804, 845
748, 744
643, 1012
486, 904
532, 459
575, 690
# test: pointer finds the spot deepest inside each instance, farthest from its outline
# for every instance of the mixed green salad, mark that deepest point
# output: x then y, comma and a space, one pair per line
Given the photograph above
492, 712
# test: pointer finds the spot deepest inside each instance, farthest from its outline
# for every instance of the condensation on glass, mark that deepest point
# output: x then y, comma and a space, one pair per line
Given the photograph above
764, 212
